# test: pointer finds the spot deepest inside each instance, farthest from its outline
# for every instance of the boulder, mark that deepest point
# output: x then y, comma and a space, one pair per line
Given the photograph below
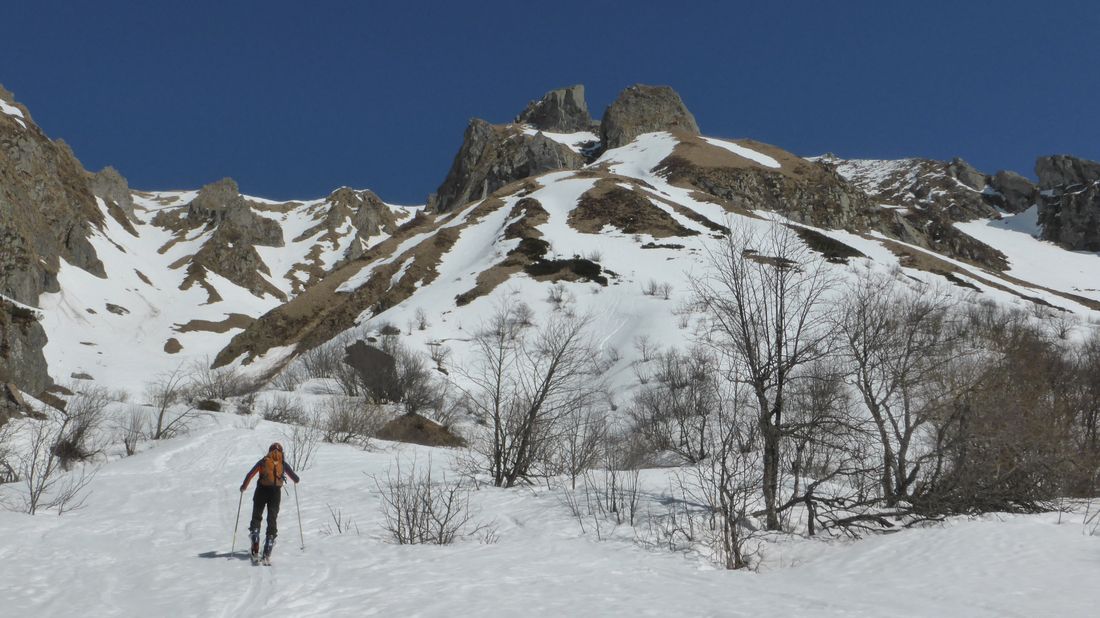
560, 111
492, 156
644, 109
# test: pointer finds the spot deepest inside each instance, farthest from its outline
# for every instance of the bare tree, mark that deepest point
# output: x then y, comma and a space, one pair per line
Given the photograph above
766, 299
524, 386
898, 343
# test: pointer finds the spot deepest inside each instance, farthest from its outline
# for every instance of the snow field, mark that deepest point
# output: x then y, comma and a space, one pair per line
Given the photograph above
154, 539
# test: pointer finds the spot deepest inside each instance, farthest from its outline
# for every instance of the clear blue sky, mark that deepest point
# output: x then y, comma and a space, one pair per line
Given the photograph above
296, 98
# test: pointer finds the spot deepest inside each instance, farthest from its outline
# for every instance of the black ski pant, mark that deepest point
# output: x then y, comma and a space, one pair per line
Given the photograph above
265, 497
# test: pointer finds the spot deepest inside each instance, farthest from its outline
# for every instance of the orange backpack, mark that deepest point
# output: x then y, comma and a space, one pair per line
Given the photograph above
271, 471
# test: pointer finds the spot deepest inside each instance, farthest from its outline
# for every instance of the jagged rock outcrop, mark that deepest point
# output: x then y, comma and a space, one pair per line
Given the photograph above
561, 111
1012, 192
1069, 202
643, 109
221, 205
231, 249
492, 156
805, 191
953, 188
47, 212
109, 185
367, 212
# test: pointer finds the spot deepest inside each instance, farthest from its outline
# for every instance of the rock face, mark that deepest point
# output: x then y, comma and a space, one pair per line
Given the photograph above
367, 212
644, 109
492, 156
47, 212
109, 185
1069, 202
231, 249
560, 111
1012, 192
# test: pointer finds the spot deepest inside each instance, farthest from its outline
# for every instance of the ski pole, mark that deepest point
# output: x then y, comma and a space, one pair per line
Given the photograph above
237, 522
299, 510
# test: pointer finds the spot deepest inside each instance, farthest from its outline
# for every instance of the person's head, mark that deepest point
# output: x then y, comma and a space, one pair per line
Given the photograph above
275, 446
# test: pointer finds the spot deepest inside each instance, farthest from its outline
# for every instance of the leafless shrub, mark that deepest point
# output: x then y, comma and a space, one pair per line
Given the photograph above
290, 378
558, 296
439, 353
643, 344
46, 486
674, 412
80, 421
172, 410
131, 429
421, 319
607, 499
659, 289
283, 409
8, 462
348, 420
341, 524
206, 382
419, 510
301, 443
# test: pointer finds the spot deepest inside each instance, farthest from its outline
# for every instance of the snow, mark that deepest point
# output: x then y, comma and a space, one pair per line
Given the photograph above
13, 111
154, 539
1037, 261
744, 152
575, 141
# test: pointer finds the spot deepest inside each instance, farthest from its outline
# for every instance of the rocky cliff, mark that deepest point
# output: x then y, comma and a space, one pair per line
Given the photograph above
1069, 203
492, 156
643, 109
47, 211
560, 111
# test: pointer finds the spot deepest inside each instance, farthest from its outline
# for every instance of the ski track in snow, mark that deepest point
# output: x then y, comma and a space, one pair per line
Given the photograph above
137, 549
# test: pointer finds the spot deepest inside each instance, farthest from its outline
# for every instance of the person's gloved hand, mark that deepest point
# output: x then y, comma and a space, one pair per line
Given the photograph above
242, 489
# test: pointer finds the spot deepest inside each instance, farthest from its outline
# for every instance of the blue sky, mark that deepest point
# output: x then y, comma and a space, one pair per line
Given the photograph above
293, 99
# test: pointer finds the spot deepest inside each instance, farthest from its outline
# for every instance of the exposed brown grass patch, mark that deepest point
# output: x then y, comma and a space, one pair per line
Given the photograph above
232, 321
173, 346
632, 211
415, 429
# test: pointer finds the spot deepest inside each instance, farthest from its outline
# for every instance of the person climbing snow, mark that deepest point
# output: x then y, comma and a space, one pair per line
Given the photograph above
273, 472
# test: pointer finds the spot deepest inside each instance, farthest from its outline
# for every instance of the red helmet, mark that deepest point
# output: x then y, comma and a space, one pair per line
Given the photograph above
275, 446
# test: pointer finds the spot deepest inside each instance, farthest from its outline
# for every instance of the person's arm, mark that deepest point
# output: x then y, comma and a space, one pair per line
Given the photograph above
251, 473
290, 472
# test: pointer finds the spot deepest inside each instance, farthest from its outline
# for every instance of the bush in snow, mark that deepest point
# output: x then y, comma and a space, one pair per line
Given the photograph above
418, 508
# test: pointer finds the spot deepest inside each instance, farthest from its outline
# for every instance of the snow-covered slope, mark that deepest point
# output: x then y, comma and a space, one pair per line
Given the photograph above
149, 316
643, 233
154, 540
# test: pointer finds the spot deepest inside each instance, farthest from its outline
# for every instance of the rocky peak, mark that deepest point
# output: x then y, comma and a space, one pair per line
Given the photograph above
1069, 203
1064, 171
965, 173
220, 204
561, 111
110, 186
643, 109
492, 156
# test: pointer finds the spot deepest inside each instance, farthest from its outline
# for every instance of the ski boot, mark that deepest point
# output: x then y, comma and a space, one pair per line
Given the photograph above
269, 544
254, 535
